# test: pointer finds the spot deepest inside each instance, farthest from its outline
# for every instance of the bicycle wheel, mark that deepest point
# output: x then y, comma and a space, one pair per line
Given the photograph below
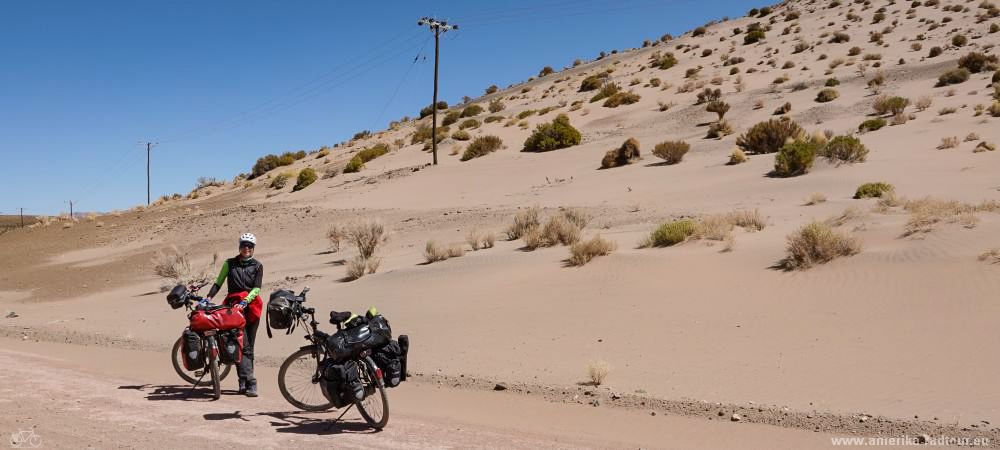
295, 381
191, 376
374, 407
213, 367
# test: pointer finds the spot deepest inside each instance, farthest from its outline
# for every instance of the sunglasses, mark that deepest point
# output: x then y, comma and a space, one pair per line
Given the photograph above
247, 244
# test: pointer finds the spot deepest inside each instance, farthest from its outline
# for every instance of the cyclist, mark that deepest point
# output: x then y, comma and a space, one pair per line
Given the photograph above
243, 275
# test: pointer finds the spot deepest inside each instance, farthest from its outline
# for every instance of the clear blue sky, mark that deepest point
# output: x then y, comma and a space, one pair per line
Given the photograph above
220, 83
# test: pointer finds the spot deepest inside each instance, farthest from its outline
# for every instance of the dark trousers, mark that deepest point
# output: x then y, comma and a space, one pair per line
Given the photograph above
245, 369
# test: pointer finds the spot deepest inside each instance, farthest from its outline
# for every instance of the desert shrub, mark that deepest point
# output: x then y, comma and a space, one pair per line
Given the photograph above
366, 235
934, 52
597, 371
306, 177
469, 123
671, 233
800, 47
493, 88
524, 222
769, 136
496, 105
839, 37
628, 152
593, 82
551, 136
994, 109
994, 27
281, 180
718, 107
890, 105
267, 163
847, 149
434, 252
373, 152
984, 146
423, 134
664, 62
872, 124
996, 79
429, 109
831, 82
719, 129
354, 165
737, 157
175, 267
923, 103
472, 110
526, 113
815, 199
827, 95
547, 70
556, 231
709, 95
492, 119
753, 37
783, 109
621, 98
795, 158
582, 252
461, 135
948, 142
959, 40
872, 190
482, 146
698, 31
478, 239
977, 62
606, 91
854, 51
817, 243
671, 152
451, 117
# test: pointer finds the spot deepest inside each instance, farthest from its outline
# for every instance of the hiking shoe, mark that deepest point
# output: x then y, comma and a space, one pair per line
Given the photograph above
243, 387
251, 390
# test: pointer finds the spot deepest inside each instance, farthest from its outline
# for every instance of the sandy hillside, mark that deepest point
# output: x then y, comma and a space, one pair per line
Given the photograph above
895, 337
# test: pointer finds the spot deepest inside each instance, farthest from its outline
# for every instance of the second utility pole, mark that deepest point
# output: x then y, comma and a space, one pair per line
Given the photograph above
149, 146
437, 27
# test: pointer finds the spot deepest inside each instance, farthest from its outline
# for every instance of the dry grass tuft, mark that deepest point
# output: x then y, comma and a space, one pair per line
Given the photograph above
948, 142
992, 256
478, 239
597, 371
434, 252
359, 266
524, 221
366, 235
817, 243
176, 268
582, 252
849, 214
815, 199
927, 212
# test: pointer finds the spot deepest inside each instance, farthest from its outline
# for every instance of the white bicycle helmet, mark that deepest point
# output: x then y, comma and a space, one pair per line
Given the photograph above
248, 237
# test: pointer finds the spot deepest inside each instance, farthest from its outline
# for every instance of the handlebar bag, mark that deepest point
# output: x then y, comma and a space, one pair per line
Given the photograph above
220, 319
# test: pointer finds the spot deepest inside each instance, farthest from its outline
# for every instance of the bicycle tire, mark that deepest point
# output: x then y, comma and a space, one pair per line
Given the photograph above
186, 375
373, 386
213, 367
310, 401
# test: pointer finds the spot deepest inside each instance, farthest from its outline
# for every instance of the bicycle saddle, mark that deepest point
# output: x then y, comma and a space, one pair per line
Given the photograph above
338, 317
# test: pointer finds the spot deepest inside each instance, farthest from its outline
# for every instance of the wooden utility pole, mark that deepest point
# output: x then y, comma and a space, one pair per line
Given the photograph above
22, 217
149, 146
438, 28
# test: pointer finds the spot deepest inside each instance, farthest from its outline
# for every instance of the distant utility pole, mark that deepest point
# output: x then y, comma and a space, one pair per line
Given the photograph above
438, 28
149, 146
70, 209
22, 217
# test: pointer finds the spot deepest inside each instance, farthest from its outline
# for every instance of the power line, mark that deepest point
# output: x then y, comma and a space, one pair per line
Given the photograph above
400, 85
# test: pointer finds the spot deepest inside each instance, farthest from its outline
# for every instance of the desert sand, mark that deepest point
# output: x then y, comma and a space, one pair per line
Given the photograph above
897, 339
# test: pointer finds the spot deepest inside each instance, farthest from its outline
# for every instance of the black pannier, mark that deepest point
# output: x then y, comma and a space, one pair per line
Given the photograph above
231, 346
342, 385
349, 342
380, 326
191, 350
177, 296
279, 309
390, 358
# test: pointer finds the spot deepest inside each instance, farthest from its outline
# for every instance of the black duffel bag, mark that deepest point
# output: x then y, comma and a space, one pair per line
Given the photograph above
349, 342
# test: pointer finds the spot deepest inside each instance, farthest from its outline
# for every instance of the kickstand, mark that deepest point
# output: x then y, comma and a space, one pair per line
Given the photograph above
338, 417
195, 386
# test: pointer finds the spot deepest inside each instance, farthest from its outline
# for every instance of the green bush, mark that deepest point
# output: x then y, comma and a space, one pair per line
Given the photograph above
934, 52
872, 190
547, 70
280, 180
672, 152
552, 136
472, 111
482, 146
977, 62
524, 114
795, 158
672, 233
267, 163
354, 165
872, 124
753, 37
665, 61
959, 40
461, 135
428, 110
373, 152
954, 76
769, 136
306, 177
718, 107
593, 82
621, 98
492, 119
827, 95
996, 77
451, 117
896, 105
493, 88
469, 123
423, 134
854, 51
607, 90
628, 152
709, 95
831, 82
698, 31
848, 149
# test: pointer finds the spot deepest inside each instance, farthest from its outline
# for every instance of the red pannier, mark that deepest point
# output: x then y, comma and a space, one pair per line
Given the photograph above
220, 319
